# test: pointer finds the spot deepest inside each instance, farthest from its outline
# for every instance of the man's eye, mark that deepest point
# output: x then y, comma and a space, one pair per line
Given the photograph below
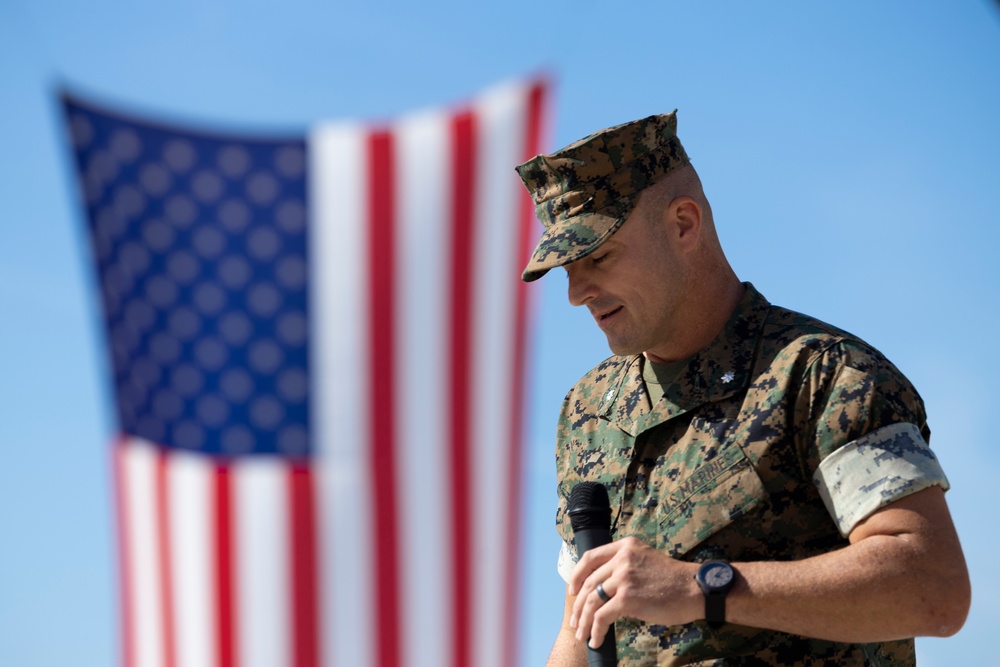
597, 259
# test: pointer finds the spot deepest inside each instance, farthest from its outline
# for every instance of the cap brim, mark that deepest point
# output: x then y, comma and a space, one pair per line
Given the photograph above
575, 238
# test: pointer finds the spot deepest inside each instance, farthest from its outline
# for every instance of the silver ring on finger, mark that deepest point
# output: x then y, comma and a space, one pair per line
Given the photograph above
601, 593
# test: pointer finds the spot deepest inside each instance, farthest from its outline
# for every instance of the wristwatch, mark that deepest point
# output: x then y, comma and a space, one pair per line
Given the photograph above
715, 578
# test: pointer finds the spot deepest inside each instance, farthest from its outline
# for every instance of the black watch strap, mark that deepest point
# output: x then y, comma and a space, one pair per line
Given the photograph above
715, 609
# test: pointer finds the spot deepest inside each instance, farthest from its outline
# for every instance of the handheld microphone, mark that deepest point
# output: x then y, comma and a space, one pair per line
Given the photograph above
590, 515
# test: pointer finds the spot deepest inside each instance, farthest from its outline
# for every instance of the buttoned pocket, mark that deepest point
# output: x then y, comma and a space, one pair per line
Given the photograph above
711, 497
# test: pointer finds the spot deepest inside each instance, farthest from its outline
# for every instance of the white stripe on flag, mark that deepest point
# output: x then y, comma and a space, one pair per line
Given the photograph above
191, 508
142, 553
502, 125
263, 536
421, 251
339, 392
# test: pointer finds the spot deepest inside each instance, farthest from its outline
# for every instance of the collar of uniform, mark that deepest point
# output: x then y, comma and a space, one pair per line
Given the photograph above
716, 372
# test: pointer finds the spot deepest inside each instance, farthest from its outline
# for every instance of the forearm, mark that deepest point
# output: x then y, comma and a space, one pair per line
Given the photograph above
568, 651
889, 585
848, 595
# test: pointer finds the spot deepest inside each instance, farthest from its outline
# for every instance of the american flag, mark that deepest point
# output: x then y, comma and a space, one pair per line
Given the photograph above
317, 348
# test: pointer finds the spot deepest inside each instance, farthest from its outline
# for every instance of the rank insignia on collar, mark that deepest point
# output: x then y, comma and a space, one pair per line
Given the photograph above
728, 377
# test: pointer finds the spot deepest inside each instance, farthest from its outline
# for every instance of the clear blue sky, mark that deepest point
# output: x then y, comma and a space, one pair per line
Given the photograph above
849, 150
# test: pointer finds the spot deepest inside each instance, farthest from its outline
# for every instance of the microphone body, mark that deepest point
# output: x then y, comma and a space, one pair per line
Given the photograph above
590, 515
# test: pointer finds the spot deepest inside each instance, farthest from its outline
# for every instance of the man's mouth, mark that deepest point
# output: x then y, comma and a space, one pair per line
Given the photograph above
605, 316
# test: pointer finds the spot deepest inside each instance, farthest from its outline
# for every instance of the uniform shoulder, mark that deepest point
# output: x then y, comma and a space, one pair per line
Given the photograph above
789, 333
798, 324
786, 336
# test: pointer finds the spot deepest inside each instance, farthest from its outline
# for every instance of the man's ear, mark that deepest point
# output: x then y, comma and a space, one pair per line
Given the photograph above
685, 214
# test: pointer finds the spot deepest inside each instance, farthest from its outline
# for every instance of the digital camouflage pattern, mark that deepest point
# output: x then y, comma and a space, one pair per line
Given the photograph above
862, 476
722, 467
584, 192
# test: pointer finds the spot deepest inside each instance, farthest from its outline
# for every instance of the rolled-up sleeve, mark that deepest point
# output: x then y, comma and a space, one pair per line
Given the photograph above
875, 470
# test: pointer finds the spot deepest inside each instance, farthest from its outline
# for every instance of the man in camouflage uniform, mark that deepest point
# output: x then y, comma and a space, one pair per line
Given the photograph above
725, 428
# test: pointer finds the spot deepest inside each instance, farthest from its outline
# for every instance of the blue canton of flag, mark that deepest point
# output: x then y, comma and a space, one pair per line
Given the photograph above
201, 250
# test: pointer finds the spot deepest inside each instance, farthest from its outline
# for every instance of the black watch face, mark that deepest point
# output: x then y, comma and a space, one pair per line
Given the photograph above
717, 575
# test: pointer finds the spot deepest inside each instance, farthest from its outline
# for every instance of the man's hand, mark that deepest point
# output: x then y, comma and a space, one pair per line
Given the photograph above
642, 583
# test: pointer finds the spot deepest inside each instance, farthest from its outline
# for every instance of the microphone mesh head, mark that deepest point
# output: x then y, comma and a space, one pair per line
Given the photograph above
589, 506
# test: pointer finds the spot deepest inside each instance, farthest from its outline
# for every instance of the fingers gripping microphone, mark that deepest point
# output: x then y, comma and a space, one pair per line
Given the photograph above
590, 515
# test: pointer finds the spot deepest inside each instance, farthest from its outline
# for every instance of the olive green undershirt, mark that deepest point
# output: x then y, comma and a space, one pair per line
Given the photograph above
656, 376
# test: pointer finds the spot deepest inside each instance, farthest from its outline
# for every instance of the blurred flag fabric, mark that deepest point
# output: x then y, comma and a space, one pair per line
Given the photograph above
317, 346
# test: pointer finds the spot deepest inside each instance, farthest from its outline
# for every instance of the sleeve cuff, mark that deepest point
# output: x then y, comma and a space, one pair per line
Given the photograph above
567, 561
873, 471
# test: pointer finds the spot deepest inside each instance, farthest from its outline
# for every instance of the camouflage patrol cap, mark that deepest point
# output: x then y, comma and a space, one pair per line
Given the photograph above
585, 191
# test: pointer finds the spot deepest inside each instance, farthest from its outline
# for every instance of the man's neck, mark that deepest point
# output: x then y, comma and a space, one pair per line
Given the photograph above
710, 311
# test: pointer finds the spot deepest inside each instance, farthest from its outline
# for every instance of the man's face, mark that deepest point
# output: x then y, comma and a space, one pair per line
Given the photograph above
633, 285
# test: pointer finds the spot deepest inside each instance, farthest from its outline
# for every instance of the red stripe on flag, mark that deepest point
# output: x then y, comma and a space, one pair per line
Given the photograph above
463, 164
525, 243
225, 569
124, 561
382, 267
164, 548
305, 582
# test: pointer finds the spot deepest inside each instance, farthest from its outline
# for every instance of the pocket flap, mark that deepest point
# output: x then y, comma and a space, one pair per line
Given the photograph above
709, 499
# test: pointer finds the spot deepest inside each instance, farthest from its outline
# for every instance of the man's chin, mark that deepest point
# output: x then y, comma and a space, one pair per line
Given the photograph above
622, 348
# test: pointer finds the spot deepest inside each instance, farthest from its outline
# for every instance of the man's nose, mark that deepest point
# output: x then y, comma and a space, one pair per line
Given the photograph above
581, 287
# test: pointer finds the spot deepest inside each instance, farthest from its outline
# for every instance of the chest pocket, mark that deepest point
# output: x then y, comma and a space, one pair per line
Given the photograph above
707, 499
